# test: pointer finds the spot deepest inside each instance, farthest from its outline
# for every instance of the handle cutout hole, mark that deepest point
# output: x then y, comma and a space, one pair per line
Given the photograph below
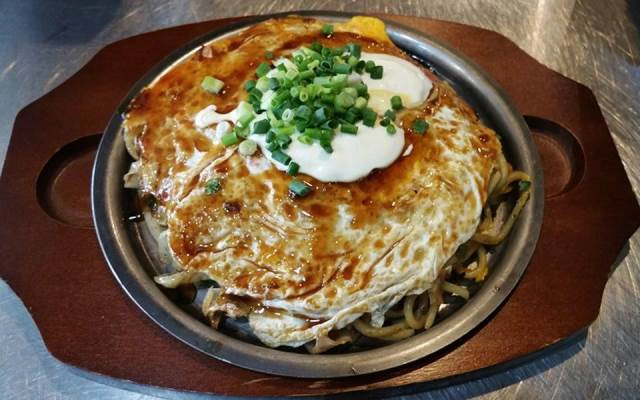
63, 187
561, 153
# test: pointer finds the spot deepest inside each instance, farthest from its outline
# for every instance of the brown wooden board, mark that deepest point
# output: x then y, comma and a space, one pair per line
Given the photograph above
51, 258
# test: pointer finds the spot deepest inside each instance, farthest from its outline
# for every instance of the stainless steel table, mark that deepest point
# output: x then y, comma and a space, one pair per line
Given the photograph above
595, 42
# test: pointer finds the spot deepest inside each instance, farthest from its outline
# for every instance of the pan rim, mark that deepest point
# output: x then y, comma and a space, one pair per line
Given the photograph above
107, 193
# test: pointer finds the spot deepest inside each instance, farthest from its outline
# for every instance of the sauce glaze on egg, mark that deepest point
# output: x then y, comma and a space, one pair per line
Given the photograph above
300, 267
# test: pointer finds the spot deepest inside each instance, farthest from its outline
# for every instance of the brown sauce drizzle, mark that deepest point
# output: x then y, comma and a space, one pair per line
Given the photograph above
177, 95
232, 207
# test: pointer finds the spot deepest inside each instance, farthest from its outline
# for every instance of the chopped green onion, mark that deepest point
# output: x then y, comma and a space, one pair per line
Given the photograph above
390, 115
327, 29
280, 103
271, 136
274, 83
353, 61
523, 186
255, 102
391, 129
348, 128
291, 74
273, 146
360, 103
244, 120
352, 115
262, 126
212, 85
326, 66
322, 80
320, 115
376, 72
277, 110
343, 100
353, 92
249, 85
283, 140
304, 95
268, 55
279, 73
314, 90
275, 121
262, 84
339, 80
354, 49
212, 186
262, 69
299, 188
241, 131
247, 147
298, 59
342, 68
313, 132
306, 75
326, 145
313, 65
287, 115
229, 139
327, 99
316, 46
339, 111
281, 157
293, 168
369, 66
385, 122
304, 139
285, 130
369, 117
255, 93
326, 134
308, 52
361, 88
333, 124
245, 114
396, 102
301, 125
420, 126
360, 66
286, 83
303, 112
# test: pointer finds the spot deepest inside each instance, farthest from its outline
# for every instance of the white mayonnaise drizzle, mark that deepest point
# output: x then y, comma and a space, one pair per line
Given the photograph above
209, 116
354, 156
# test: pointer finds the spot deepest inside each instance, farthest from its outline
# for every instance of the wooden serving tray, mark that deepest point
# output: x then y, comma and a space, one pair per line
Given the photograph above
50, 255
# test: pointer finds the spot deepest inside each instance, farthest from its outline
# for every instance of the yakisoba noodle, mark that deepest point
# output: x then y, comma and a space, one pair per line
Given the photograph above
419, 312
320, 182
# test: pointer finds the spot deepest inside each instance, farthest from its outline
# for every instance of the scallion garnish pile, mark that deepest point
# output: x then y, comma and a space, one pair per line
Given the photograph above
309, 97
312, 96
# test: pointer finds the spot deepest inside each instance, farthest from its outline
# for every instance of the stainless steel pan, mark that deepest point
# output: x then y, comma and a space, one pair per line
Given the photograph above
131, 255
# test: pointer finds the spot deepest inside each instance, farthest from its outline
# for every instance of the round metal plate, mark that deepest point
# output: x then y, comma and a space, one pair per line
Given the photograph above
129, 255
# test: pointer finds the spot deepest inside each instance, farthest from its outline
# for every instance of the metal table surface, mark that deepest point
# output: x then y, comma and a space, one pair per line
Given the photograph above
597, 43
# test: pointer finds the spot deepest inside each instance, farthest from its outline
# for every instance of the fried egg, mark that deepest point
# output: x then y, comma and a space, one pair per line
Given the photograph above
386, 213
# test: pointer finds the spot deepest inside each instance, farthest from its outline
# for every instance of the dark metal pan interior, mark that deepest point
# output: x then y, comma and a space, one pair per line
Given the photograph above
131, 255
